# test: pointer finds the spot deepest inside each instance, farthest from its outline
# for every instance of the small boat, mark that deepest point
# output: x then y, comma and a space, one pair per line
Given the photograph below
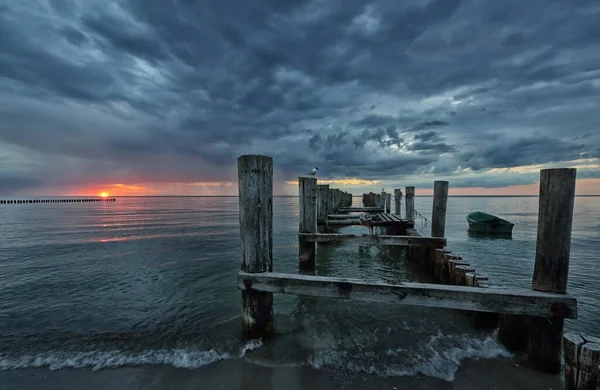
480, 222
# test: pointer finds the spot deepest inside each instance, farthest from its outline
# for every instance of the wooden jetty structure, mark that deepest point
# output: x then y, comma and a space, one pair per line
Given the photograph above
64, 200
528, 320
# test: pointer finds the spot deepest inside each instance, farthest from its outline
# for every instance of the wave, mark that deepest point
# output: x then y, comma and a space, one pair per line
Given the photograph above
97, 360
434, 359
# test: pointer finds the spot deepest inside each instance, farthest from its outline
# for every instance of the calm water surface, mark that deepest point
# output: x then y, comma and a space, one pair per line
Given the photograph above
153, 281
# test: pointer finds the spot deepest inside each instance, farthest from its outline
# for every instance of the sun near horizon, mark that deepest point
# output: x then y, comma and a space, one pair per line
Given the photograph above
104, 194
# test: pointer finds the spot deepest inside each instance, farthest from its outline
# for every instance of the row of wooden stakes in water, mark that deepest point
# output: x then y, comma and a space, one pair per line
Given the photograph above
581, 352
449, 269
28, 201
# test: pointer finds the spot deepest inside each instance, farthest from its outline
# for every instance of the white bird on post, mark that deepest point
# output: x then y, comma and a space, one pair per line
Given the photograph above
313, 171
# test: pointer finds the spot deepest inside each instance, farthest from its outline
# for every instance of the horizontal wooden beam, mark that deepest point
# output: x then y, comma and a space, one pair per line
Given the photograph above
363, 209
506, 301
374, 239
343, 216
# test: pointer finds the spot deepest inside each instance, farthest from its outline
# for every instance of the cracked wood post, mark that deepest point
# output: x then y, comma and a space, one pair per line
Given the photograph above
582, 360
410, 203
551, 270
322, 202
397, 201
307, 196
255, 182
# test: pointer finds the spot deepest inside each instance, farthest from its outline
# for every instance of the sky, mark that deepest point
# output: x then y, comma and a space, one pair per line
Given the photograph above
160, 97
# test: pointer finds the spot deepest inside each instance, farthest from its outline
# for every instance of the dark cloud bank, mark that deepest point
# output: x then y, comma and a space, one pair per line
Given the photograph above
165, 90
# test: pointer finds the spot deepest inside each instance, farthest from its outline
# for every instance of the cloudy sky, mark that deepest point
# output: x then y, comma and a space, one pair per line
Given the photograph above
162, 96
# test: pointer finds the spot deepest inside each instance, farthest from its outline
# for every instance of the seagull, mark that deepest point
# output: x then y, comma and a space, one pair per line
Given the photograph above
313, 171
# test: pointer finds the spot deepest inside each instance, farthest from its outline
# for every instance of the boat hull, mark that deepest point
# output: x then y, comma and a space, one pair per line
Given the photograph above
488, 224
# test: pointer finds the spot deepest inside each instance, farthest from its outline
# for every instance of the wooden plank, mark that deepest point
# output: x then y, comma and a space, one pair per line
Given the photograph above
532, 303
383, 217
374, 239
360, 209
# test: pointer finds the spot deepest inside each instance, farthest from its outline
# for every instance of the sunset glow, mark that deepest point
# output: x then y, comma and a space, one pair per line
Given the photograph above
104, 194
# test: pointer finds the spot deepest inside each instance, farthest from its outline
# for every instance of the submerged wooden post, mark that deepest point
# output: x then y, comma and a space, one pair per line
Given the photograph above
255, 182
551, 270
397, 201
410, 203
322, 202
307, 198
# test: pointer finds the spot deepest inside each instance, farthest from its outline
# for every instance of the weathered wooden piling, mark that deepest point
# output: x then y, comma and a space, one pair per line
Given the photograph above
582, 361
388, 203
438, 214
322, 202
551, 270
410, 203
307, 195
397, 201
255, 180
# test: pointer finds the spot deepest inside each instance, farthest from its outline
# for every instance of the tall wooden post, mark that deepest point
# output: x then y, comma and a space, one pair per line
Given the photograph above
551, 270
322, 202
438, 214
330, 202
397, 201
388, 203
255, 182
410, 203
307, 197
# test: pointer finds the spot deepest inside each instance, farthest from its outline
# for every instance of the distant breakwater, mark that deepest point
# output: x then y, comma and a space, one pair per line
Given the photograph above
74, 200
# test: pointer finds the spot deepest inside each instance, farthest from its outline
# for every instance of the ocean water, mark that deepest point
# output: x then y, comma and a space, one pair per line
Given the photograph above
152, 281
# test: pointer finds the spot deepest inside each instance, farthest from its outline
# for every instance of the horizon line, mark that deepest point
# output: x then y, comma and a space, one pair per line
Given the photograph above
275, 196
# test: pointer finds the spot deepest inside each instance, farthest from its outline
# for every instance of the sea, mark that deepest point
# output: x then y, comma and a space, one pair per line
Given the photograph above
151, 281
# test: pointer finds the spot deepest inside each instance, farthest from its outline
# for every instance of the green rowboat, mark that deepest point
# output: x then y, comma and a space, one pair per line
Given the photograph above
480, 222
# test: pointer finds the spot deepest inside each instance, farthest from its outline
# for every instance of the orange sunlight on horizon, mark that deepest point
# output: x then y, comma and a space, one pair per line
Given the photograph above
104, 194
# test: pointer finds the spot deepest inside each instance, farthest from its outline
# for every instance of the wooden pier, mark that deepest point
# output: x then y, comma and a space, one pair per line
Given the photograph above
532, 320
64, 200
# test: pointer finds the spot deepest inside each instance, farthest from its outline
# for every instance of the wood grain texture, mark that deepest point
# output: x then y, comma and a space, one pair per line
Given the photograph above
307, 200
374, 239
572, 343
397, 201
460, 274
551, 270
555, 221
255, 182
416, 294
452, 264
589, 359
410, 203
438, 215
322, 202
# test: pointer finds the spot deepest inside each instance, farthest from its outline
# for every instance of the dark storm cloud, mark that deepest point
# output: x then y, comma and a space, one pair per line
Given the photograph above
176, 90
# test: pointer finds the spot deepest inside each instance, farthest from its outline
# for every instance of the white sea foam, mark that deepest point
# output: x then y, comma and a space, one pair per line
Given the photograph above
180, 358
440, 357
